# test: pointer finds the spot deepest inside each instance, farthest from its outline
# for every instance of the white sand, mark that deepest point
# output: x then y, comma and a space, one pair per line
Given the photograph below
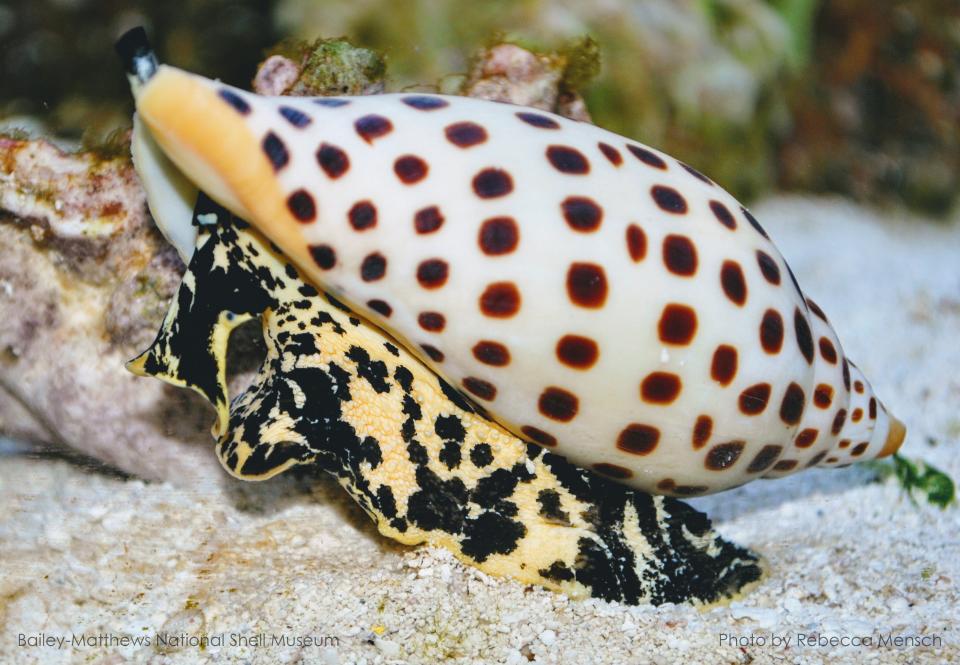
88, 554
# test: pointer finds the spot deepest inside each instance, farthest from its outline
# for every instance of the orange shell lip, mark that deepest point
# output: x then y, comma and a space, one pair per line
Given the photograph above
895, 436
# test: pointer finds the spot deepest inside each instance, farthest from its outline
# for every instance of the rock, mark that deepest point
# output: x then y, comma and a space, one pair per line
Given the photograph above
86, 278
276, 75
325, 67
510, 73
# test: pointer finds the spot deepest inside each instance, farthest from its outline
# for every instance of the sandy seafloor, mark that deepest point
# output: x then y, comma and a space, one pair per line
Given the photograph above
88, 554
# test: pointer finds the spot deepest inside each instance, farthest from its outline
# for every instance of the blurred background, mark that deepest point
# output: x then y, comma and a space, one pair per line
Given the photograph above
856, 97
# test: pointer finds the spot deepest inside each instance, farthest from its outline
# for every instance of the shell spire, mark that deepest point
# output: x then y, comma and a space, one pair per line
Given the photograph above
591, 294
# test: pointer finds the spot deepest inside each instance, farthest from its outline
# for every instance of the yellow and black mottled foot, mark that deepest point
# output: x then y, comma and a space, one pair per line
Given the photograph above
336, 392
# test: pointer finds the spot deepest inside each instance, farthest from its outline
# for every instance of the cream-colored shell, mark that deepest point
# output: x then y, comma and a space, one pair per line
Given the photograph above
537, 239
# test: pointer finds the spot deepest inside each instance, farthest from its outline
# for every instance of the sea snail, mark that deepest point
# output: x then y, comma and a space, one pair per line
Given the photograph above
587, 293
335, 393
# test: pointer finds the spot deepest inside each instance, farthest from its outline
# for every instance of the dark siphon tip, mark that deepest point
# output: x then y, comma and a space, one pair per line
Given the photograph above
137, 55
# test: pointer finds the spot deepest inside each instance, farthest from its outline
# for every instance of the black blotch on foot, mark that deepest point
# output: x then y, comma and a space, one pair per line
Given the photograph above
374, 371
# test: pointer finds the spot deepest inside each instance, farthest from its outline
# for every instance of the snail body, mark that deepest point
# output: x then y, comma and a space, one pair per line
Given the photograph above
335, 394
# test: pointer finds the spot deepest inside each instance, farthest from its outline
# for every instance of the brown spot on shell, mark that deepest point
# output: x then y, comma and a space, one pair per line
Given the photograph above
815, 308
491, 353
537, 120
804, 337
613, 470
668, 199
680, 255
465, 134
701, 431
690, 490
374, 267
276, 151
667, 484
823, 396
558, 404
323, 255
636, 243
806, 437
724, 366
791, 408
498, 236
500, 300
432, 321
381, 307
771, 331
660, 387
638, 439
482, 389
433, 352
587, 285
238, 103
677, 325
723, 215
433, 273
332, 160
766, 457
428, 220
647, 157
301, 206
838, 421
362, 216
733, 283
577, 352
611, 153
581, 213
539, 436
828, 351
754, 223
724, 455
425, 102
753, 400
331, 102
768, 267
410, 169
492, 183
373, 126
785, 465
568, 160
695, 173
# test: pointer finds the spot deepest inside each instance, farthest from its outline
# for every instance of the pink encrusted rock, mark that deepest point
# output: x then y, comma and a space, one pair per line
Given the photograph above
276, 75
84, 280
510, 73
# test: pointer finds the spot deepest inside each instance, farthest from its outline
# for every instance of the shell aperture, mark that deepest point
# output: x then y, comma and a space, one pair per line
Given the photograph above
333, 392
593, 295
